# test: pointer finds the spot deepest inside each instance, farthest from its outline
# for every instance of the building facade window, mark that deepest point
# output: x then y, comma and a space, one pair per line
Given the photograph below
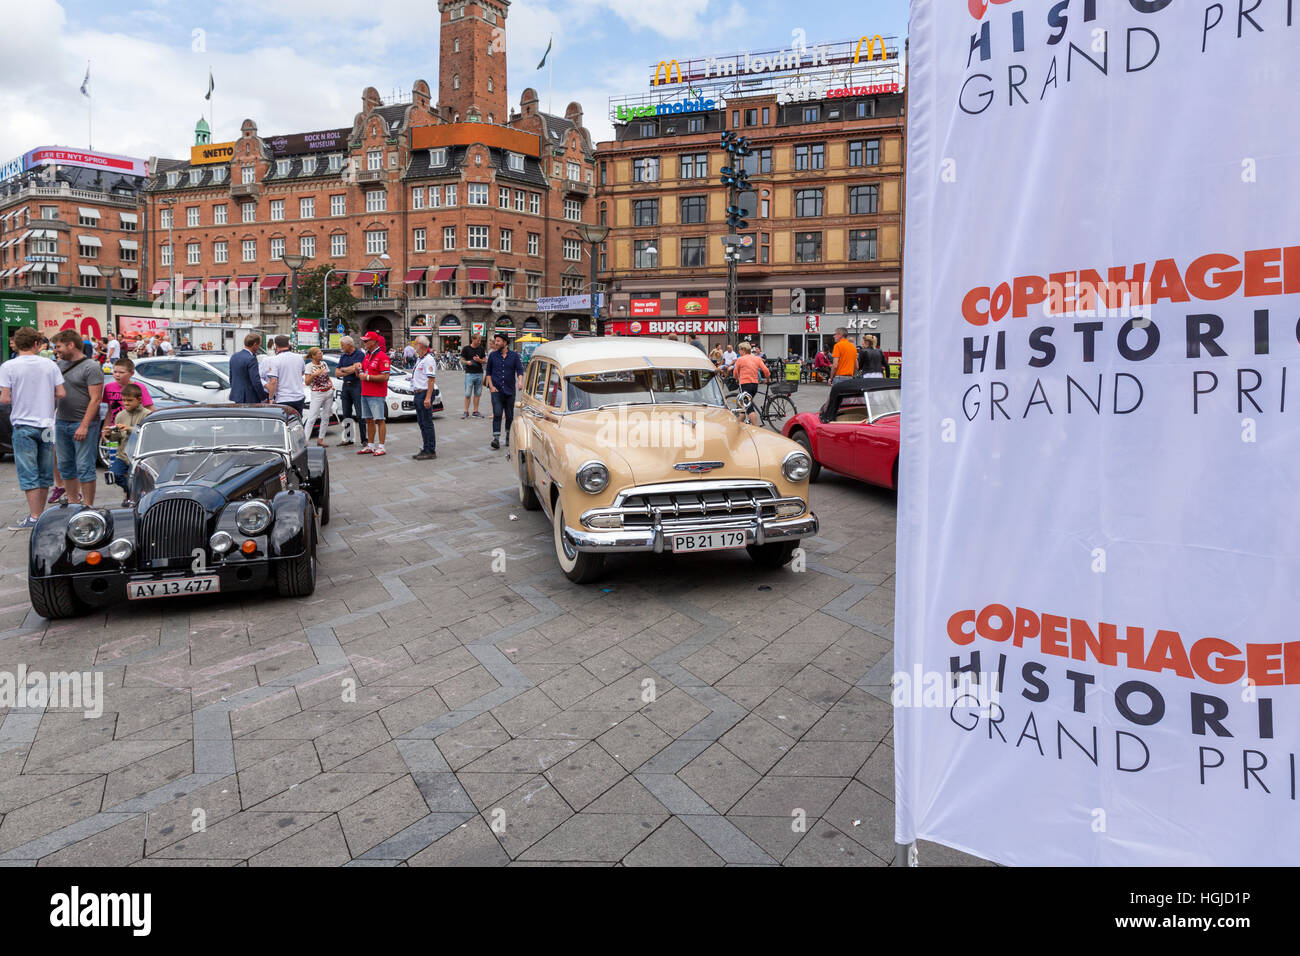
192, 251
165, 255
192, 216
282, 167
508, 283
417, 197
246, 175
693, 252
862, 245
864, 200
642, 257
130, 225
694, 165
417, 240
307, 207
277, 249
533, 284
221, 251
864, 152
645, 169
695, 124
338, 205
503, 197
338, 244
519, 200
507, 237
87, 252
448, 237
335, 162
573, 210
694, 209
570, 285
534, 243
477, 194
309, 165
478, 237
248, 211
812, 114
277, 210
374, 160
808, 247
172, 179
645, 212
376, 242
451, 194
376, 200
219, 214
572, 250
249, 250
515, 162
754, 301
810, 156
807, 202
307, 246
535, 203
573, 171
438, 157
165, 219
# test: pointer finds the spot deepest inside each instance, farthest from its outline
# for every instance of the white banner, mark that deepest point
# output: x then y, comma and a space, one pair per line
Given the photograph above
1101, 418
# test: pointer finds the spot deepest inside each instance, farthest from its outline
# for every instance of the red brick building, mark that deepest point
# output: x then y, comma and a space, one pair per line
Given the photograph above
442, 216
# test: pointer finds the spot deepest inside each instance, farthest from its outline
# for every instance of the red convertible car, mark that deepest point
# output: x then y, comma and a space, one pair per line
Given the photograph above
855, 433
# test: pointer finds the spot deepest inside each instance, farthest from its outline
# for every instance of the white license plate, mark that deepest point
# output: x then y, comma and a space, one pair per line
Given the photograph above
710, 541
171, 587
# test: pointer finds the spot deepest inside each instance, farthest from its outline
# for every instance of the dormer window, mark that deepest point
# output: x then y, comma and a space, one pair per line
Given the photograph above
515, 161
219, 174
194, 176
309, 165
282, 167
173, 178
336, 162
438, 157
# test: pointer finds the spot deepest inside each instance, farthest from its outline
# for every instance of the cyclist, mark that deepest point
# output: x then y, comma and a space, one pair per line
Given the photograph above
748, 368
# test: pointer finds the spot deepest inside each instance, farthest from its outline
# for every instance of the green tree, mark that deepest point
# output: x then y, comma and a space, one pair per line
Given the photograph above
311, 298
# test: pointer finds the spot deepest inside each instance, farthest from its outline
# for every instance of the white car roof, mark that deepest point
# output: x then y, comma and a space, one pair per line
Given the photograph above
617, 350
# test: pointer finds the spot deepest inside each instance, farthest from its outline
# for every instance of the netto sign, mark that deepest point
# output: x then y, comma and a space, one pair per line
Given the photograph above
212, 153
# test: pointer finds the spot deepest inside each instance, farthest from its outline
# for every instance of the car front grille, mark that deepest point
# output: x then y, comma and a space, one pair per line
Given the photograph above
693, 508
171, 529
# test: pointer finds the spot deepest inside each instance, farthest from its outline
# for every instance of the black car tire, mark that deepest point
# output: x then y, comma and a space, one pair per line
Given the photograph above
527, 496
53, 598
325, 496
296, 577
774, 555
803, 441
580, 567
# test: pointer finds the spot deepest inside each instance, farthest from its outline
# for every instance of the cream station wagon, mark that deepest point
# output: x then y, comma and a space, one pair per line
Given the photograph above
629, 445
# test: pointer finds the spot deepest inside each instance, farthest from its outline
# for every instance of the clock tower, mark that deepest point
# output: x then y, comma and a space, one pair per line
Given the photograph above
472, 61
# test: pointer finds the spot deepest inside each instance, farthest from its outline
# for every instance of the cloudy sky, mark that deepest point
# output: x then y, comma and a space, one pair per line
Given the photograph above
299, 65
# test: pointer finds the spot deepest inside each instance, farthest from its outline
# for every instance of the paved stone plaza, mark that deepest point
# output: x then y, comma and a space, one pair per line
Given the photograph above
422, 708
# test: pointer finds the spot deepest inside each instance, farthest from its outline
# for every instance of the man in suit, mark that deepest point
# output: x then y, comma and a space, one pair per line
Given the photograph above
245, 380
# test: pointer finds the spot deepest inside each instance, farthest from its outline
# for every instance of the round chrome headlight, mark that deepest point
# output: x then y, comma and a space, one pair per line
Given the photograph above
120, 549
253, 517
796, 466
593, 477
221, 542
87, 528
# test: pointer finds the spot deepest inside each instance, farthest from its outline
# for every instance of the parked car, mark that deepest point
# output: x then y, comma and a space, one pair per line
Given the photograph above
162, 398
629, 445
855, 433
226, 498
203, 378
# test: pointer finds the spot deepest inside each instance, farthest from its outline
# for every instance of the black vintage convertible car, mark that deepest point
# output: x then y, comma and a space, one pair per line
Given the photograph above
226, 498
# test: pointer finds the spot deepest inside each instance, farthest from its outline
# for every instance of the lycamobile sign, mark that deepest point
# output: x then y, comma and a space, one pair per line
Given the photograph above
685, 106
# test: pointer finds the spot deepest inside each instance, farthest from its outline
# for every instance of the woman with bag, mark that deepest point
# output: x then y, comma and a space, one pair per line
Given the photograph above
320, 394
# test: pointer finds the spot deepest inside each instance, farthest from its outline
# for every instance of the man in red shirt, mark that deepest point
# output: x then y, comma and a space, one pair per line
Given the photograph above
374, 391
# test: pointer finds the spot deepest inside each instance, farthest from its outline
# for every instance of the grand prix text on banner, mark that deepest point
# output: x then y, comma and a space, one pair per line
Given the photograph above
1098, 615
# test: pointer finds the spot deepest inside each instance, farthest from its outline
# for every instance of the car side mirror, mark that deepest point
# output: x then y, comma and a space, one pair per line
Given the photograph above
212, 385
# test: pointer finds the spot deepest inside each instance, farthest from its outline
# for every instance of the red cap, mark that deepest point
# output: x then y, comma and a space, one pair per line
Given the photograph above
373, 337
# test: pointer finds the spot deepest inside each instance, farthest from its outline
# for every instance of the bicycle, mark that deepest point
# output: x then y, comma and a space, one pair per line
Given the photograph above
772, 404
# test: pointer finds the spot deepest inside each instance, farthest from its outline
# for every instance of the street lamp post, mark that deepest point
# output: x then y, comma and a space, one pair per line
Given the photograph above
593, 234
108, 272
293, 263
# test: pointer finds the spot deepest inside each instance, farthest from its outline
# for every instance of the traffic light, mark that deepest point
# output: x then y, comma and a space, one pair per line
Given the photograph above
734, 220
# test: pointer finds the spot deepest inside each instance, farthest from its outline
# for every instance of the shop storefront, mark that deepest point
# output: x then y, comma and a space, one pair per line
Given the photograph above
805, 334
451, 334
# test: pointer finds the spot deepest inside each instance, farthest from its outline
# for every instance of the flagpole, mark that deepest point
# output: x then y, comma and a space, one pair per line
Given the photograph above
90, 112
550, 82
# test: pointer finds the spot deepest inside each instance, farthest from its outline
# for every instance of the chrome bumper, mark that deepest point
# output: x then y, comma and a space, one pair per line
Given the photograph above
766, 531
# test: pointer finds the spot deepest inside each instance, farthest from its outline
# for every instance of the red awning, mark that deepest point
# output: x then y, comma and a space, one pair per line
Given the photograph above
213, 284
414, 275
191, 285
159, 286
243, 282
478, 274
444, 274
339, 277
371, 278
273, 282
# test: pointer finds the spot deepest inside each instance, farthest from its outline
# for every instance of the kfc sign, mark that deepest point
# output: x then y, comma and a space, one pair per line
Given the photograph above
645, 306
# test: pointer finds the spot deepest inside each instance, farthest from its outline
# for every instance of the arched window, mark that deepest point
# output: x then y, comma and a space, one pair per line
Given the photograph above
455, 81
455, 45
489, 84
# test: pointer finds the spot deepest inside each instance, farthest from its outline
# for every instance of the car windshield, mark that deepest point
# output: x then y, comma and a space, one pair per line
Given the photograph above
885, 401
644, 386
220, 362
199, 434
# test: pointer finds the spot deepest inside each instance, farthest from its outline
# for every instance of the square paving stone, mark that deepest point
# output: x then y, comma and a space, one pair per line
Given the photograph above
526, 815
673, 844
719, 776
633, 741
757, 742
585, 775
376, 817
